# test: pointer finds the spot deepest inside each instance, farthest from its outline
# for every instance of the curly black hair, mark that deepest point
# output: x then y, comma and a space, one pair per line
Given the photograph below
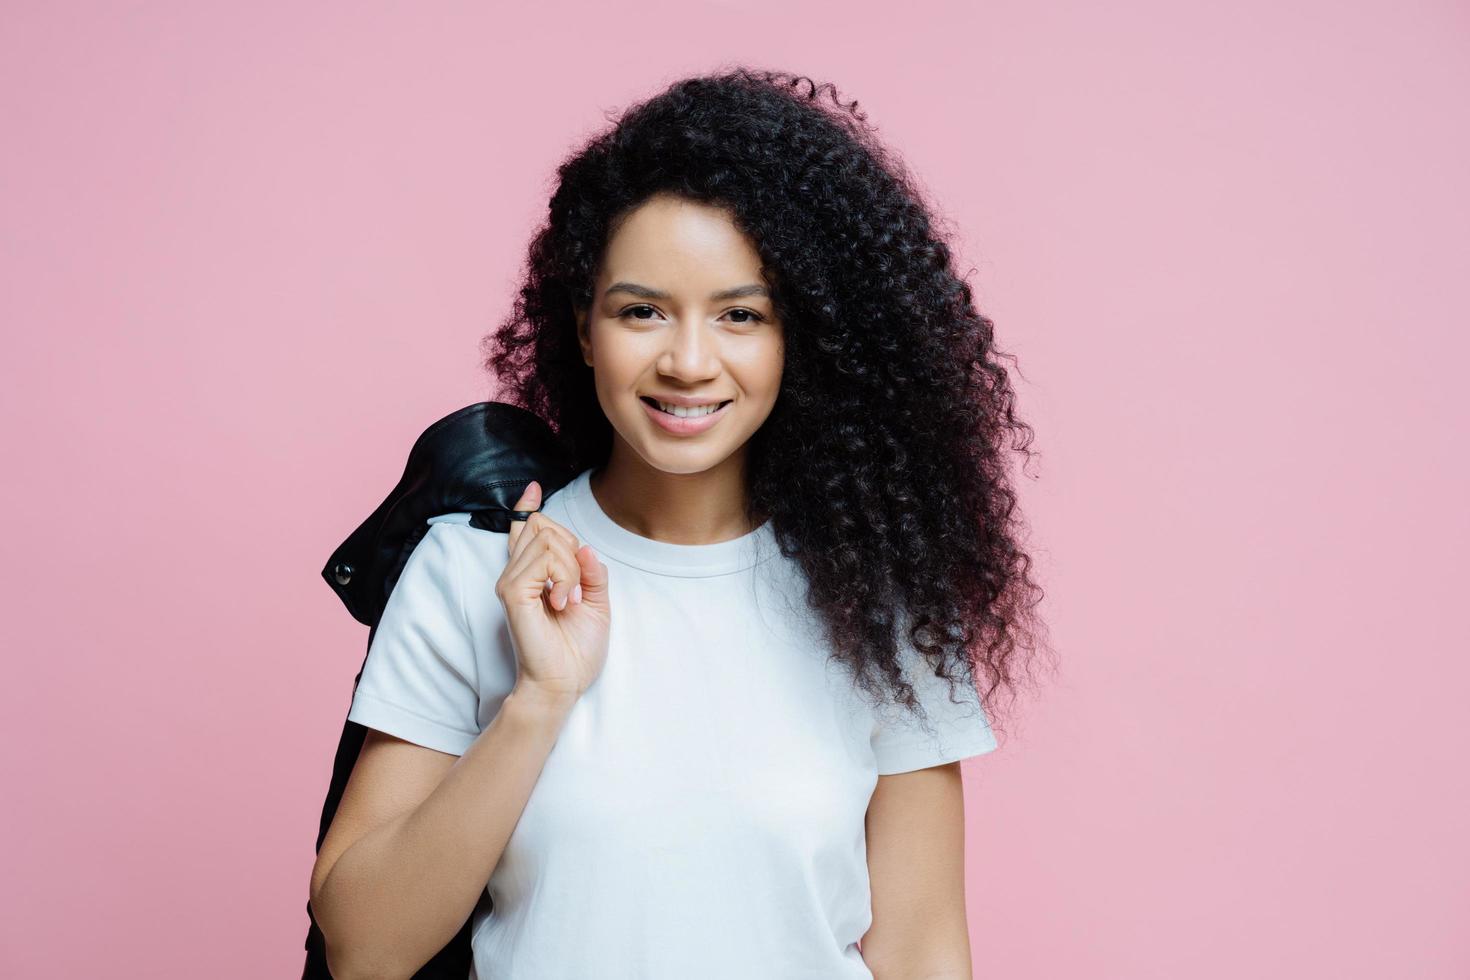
882, 465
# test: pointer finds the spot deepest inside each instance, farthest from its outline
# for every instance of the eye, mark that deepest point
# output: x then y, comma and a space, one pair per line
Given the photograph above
626, 314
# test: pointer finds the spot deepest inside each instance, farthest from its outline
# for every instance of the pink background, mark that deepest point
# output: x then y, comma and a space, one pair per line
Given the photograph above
249, 250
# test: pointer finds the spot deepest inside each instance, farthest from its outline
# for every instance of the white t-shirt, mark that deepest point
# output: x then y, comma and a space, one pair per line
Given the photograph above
702, 811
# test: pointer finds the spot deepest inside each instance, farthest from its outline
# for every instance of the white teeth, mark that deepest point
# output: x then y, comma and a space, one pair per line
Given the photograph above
689, 413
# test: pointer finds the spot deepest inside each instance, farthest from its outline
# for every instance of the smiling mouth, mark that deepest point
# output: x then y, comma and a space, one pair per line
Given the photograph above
714, 407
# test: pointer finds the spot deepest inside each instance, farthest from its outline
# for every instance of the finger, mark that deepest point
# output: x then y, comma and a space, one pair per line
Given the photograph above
532, 541
539, 523
544, 557
546, 525
593, 584
530, 500
563, 553
537, 573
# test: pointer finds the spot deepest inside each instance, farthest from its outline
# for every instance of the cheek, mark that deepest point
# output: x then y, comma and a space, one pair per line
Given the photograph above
760, 372
617, 363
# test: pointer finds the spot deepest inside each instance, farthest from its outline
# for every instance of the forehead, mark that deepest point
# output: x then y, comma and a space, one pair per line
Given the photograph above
679, 245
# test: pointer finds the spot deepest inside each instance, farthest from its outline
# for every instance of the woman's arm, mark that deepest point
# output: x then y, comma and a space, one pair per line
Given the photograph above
418, 833
916, 866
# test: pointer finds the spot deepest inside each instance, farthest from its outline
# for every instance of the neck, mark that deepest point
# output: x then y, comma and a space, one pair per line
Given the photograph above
678, 508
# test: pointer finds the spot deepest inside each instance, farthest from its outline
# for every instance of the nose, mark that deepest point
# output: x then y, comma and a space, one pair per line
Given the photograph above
692, 354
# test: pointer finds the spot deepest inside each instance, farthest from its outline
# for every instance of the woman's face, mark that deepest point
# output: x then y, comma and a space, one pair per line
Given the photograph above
681, 314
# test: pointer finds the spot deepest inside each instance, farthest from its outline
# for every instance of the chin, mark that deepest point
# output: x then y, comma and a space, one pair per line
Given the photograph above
685, 463
683, 457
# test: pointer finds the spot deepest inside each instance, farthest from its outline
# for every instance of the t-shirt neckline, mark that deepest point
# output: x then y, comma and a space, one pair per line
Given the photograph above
608, 537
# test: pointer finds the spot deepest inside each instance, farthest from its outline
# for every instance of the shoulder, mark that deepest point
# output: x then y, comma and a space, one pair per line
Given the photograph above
482, 555
475, 553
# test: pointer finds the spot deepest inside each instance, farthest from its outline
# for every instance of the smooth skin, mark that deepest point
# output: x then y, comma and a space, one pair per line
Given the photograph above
680, 307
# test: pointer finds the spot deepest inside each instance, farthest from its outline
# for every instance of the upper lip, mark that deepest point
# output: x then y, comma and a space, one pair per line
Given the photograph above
688, 401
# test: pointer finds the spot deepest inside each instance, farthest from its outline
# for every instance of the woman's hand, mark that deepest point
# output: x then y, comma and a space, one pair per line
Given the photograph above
559, 630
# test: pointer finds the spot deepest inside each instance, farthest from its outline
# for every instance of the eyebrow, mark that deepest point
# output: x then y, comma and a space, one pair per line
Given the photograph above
645, 292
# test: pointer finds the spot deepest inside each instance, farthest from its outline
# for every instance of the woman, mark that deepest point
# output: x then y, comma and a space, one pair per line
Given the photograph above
701, 714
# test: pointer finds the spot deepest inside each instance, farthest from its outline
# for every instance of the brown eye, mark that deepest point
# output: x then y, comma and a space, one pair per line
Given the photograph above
754, 316
626, 314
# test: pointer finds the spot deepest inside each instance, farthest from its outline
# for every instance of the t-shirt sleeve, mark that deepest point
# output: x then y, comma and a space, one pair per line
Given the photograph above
903, 742
419, 681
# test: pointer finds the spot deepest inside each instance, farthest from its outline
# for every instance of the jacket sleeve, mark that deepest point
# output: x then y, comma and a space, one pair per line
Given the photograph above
903, 742
420, 679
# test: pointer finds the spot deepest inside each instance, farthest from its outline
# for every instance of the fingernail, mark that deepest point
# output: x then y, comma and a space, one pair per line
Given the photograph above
577, 593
